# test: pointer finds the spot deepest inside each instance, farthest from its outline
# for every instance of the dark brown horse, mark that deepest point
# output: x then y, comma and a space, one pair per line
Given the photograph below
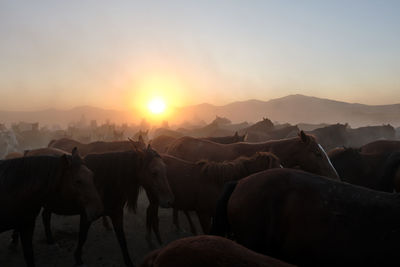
197, 186
118, 177
381, 146
364, 135
67, 144
226, 139
309, 220
331, 136
210, 251
373, 170
27, 184
161, 143
300, 152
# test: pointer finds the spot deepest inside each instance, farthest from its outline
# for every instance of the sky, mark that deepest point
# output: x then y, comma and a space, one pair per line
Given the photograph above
121, 54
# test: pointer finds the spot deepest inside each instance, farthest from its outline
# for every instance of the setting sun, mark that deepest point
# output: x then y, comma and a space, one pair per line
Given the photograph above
157, 106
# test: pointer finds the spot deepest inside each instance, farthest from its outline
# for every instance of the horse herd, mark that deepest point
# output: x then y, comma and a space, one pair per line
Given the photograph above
282, 202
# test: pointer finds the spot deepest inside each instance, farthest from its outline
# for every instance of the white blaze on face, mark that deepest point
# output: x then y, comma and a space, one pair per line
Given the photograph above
326, 156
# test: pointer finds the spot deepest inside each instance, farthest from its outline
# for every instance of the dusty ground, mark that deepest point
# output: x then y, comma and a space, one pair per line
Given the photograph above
101, 248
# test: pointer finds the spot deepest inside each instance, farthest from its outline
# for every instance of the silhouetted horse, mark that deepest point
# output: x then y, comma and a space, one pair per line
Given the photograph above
226, 139
364, 135
197, 186
161, 143
372, 170
381, 146
331, 136
298, 152
96, 147
118, 177
309, 220
27, 184
210, 251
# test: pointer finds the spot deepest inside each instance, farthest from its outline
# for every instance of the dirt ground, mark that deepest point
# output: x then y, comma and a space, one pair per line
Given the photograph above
101, 248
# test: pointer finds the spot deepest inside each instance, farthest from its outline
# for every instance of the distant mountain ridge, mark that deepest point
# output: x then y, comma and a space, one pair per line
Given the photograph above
292, 109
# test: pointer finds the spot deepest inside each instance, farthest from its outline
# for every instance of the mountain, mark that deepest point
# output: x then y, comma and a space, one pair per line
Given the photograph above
293, 109
299, 109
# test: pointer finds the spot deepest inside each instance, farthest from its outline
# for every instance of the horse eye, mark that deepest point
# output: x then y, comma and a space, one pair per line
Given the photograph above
78, 182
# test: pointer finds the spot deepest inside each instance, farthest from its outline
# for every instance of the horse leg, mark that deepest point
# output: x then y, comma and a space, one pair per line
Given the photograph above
26, 233
152, 223
106, 223
192, 227
117, 220
84, 226
152, 220
155, 224
46, 217
205, 221
14, 240
175, 216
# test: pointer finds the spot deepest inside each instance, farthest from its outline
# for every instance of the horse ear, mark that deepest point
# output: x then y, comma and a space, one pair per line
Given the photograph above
305, 138
147, 132
141, 140
245, 137
75, 152
149, 147
236, 134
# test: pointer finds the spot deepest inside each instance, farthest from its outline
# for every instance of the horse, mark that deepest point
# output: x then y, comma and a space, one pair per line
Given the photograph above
14, 155
27, 184
118, 177
161, 143
49, 151
309, 220
364, 135
226, 139
381, 146
211, 251
67, 144
366, 169
297, 152
197, 186
331, 136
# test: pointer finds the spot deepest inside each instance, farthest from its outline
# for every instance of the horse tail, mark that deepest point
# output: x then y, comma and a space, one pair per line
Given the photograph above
220, 225
392, 164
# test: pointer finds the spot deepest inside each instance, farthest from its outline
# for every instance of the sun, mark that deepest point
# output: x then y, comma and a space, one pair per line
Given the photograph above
157, 106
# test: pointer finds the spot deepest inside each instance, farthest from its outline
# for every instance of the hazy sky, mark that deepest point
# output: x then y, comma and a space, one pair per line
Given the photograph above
116, 53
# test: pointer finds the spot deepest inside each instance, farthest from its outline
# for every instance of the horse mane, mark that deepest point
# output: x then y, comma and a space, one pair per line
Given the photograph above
28, 173
123, 168
221, 172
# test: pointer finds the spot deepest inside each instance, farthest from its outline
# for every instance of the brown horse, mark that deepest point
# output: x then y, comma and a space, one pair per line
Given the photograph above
364, 135
226, 139
161, 143
27, 184
331, 136
376, 171
197, 186
49, 151
14, 155
210, 251
381, 146
118, 177
67, 144
300, 152
306, 219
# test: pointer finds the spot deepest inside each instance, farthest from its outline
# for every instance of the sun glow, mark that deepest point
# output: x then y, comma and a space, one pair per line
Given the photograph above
157, 106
